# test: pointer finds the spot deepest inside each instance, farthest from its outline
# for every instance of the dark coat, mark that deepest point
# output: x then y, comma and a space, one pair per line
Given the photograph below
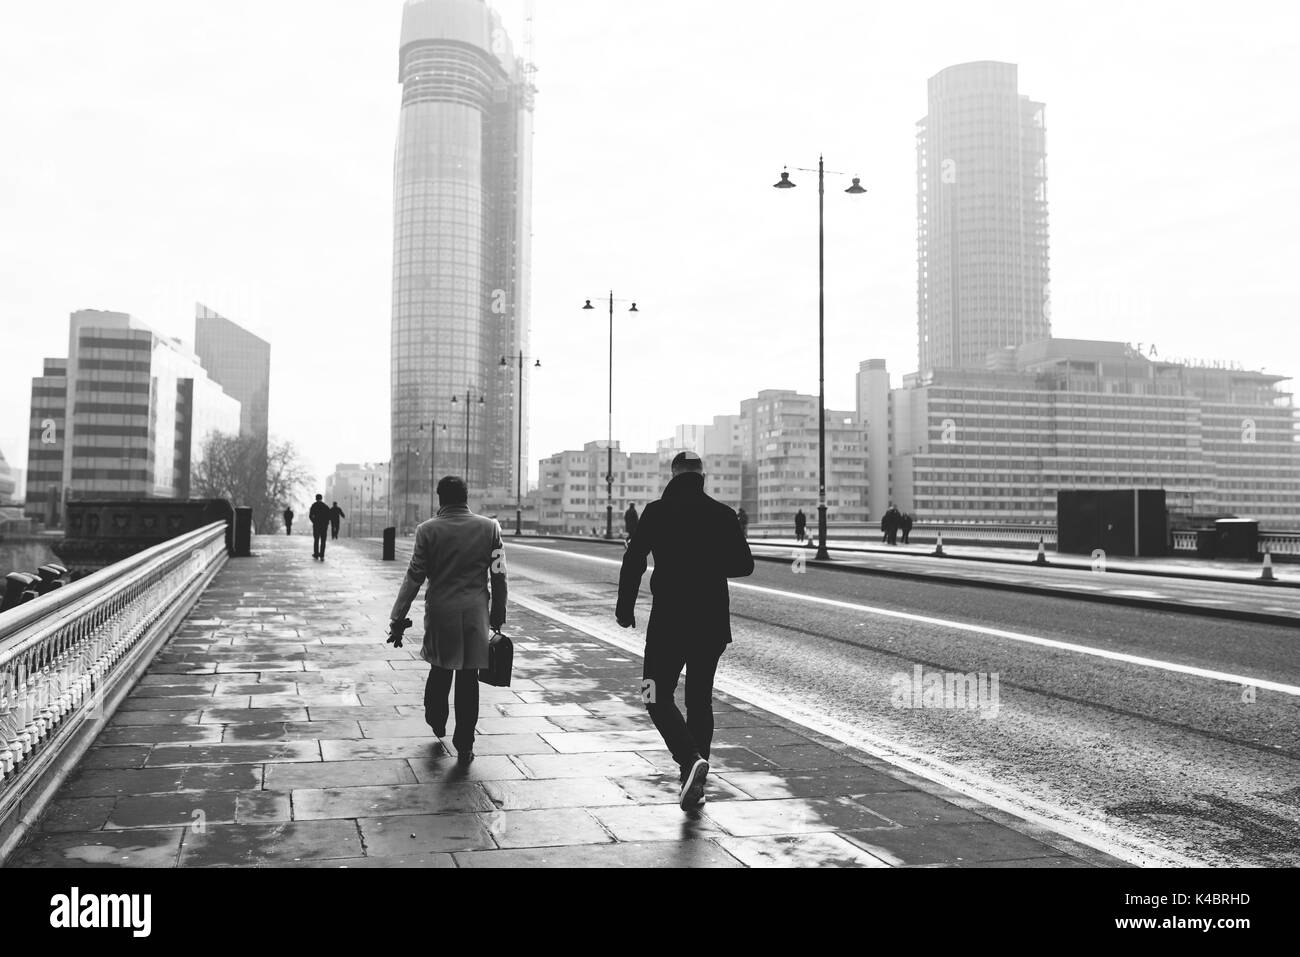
697, 545
319, 514
336, 514
630, 519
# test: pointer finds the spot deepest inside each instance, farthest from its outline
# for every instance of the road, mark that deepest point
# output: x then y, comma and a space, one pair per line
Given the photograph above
1162, 737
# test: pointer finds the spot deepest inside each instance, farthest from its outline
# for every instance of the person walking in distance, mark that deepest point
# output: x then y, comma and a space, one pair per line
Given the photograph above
800, 525
743, 519
905, 524
319, 516
697, 545
630, 518
336, 515
288, 520
462, 557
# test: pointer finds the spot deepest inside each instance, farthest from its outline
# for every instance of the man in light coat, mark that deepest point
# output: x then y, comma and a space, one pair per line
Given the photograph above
463, 558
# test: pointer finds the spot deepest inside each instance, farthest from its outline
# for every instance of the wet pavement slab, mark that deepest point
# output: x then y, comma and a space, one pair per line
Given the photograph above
278, 729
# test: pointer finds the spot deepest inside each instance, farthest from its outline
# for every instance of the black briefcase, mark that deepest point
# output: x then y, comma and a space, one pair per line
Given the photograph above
501, 655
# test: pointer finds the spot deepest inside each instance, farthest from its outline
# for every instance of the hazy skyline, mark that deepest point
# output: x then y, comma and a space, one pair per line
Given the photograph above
242, 156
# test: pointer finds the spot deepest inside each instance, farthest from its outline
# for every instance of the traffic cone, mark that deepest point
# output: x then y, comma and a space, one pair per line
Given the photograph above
938, 545
1267, 574
1042, 553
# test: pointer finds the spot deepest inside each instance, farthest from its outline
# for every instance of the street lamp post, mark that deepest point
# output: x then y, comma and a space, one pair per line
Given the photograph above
519, 447
609, 446
855, 189
455, 400
433, 458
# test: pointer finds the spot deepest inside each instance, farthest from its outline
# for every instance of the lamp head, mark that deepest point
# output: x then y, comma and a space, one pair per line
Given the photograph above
857, 187
785, 182
588, 305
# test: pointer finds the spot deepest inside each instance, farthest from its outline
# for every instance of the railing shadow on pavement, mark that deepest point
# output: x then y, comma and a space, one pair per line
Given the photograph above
69, 658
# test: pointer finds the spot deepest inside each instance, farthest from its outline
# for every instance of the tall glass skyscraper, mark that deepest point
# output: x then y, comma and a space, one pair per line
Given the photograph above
461, 250
981, 196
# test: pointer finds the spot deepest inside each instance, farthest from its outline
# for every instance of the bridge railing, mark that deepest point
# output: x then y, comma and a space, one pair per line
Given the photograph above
924, 532
67, 659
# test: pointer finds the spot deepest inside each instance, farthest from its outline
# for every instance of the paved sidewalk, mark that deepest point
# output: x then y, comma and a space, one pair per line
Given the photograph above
278, 729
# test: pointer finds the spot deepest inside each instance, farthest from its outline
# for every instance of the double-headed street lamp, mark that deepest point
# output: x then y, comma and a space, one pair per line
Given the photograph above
519, 465
609, 448
455, 400
855, 189
433, 457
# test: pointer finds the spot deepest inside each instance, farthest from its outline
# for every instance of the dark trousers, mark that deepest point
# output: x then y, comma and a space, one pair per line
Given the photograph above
437, 708
690, 737
318, 535
334, 531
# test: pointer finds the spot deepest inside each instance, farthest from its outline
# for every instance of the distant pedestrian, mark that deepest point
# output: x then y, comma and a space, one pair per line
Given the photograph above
800, 525
889, 524
319, 516
463, 558
744, 522
697, 545
906, 525
336, 515
630, 518
288, 521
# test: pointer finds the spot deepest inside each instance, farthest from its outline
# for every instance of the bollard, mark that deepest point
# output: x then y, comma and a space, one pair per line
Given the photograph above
390, 544
243, 532
938, 545
1042, 553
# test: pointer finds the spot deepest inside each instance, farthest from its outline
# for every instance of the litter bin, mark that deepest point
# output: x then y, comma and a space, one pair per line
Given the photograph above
390, 544
1206, 543
1237, 538
243, 532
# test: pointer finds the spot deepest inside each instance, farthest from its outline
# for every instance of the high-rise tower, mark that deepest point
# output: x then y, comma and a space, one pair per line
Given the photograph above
461, 238
982, 246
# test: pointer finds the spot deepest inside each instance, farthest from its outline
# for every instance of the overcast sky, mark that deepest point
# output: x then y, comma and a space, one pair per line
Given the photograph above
239, 153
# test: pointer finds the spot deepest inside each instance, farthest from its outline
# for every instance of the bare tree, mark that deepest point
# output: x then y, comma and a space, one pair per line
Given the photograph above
241, 469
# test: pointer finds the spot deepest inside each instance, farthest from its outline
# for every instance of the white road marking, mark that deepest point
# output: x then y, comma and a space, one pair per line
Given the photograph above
1119, 656
1096, 834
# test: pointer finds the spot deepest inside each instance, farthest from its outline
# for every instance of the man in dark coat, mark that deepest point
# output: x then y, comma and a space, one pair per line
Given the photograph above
744, 522
463, 558
630, 518
336, 515
319, 516
697, 545
889, 524
800, 525
906, 526
288, 521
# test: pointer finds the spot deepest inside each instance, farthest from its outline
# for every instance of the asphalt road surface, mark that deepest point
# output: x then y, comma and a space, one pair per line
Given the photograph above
1162, 737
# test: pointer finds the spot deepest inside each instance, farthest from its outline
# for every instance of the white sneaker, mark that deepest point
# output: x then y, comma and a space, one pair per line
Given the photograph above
692, 795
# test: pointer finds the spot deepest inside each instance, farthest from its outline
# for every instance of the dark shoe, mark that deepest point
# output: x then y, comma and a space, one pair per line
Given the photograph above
692, 795
464, 758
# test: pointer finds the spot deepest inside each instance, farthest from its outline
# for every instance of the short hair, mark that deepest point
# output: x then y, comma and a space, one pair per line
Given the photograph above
452, 490
687, 462
319, 497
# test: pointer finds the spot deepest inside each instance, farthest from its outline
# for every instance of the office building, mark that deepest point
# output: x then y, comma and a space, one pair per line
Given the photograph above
10, 482
240, 363
782, 446
124, 416
462, 227
996, 445
982, 230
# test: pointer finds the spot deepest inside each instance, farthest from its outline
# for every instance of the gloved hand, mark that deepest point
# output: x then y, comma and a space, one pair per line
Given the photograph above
396, 629
628, 622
